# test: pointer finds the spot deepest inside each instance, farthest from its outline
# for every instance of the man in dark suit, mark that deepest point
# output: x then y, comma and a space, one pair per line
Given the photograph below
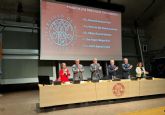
112, 69
126, 69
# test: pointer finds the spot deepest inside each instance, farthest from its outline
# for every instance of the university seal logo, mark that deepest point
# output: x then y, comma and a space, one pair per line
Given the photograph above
118, 89
61, 31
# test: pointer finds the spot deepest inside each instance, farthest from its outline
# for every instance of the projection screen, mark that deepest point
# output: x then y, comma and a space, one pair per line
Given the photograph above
71, 31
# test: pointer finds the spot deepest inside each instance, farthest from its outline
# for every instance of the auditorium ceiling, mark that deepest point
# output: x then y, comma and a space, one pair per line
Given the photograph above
144, 10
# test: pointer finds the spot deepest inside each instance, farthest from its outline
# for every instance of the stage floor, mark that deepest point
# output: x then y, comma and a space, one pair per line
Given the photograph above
24, 103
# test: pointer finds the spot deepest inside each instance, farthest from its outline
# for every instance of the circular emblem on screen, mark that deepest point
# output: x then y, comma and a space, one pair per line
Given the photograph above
118, 89
61, 31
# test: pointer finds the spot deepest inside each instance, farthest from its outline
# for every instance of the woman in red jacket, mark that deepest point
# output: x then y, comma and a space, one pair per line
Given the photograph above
64, 73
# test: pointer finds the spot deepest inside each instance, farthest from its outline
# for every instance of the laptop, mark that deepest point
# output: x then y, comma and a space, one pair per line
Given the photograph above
76, 82
44, 80
95, 80
57, 82
116, 79
133, 78
148, 77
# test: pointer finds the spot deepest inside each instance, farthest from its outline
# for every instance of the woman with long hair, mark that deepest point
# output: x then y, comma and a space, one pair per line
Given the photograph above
64, 73
140, 70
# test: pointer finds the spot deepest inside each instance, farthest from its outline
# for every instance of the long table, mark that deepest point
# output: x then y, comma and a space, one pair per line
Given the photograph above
53, 95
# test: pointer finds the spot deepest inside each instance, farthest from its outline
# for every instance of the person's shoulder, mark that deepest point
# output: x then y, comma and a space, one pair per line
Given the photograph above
91, 64
137, 67
109, 65
61, 70
73, 65
98, 64
81, 65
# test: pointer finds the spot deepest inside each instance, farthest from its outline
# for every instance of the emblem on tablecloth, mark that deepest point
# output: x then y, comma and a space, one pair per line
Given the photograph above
118, 89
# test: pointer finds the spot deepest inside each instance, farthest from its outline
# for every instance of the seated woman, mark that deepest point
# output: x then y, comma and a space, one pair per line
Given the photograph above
140, 70
64, 73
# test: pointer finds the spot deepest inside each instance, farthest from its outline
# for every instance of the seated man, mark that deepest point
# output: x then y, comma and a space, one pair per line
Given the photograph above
126, 69
78, 70
112, 69
95, 70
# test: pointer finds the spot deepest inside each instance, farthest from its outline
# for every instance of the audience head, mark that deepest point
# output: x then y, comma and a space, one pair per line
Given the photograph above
112, 61
77, 61
95, 60
125, 60
63, 66
140, 64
